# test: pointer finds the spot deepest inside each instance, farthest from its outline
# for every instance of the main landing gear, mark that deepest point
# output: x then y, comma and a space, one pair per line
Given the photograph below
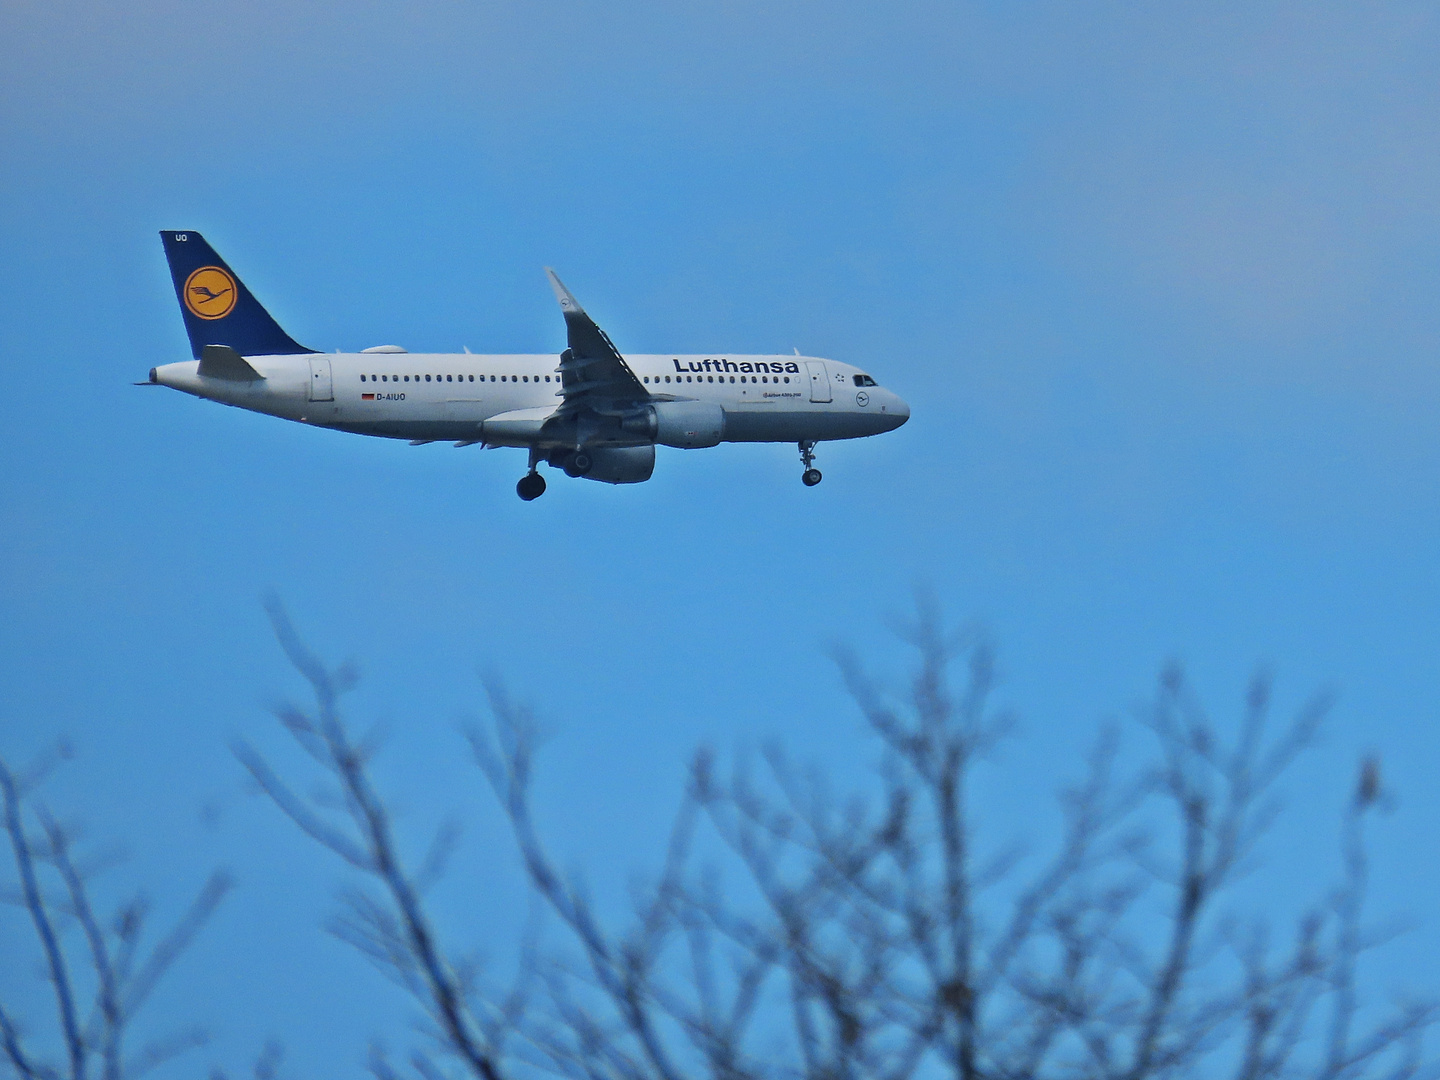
532, 484
811, 476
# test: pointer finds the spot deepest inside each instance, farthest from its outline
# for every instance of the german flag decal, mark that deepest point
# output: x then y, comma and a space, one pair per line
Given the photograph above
367, 397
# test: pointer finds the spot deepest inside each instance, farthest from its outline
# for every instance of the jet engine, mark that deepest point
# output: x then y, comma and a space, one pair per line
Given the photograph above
688, 425
612, 464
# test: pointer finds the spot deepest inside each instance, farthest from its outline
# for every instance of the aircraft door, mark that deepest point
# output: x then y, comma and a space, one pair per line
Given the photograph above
321, 387
819, 380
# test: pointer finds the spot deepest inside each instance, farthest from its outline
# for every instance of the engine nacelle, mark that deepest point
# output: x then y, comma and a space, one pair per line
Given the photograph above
621, 464
688, 425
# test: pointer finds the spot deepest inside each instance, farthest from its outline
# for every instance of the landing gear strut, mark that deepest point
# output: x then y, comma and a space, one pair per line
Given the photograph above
811, 476
532, 484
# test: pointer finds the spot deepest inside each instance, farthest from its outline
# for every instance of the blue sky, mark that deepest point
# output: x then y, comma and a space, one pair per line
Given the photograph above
1158, 283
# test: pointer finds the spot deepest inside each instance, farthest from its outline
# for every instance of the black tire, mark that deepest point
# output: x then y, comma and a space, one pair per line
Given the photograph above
810, 477
530, 487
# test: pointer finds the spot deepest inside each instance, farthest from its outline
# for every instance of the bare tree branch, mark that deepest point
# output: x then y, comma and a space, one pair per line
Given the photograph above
103, 965
791, 931
39, 911
369, 847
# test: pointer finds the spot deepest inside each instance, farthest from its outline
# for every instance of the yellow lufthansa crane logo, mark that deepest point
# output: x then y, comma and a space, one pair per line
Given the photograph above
210, 293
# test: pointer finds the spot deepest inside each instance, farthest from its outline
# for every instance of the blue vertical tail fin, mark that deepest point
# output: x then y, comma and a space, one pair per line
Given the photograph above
217, 307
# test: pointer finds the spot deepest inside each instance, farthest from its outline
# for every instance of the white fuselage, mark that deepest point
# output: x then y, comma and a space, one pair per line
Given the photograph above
467, 397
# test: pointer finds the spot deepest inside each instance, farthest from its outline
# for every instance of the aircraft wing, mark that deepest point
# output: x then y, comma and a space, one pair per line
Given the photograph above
593, 375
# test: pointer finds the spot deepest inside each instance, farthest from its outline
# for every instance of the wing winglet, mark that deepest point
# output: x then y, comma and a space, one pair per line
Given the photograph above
568, 303
592, 371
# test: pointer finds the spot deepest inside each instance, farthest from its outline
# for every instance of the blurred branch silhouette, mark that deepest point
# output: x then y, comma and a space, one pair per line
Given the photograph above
99, 969
791, 932
387, 922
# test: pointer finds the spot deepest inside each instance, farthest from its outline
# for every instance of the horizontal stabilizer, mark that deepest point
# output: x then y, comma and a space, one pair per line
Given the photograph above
223, 362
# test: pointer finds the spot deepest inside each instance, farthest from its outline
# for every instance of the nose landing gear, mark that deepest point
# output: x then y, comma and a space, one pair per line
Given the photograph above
811, 476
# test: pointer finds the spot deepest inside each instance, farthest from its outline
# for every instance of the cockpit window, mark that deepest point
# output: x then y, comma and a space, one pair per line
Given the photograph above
864, 380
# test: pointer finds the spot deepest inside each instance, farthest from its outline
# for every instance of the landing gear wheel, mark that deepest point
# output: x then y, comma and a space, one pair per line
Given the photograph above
530, 487
811, 476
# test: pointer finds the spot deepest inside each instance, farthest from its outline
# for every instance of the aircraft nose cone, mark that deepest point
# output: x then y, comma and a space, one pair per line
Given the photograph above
900, 410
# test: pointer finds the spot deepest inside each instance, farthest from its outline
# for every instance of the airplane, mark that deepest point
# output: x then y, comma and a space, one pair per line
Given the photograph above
589, 411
